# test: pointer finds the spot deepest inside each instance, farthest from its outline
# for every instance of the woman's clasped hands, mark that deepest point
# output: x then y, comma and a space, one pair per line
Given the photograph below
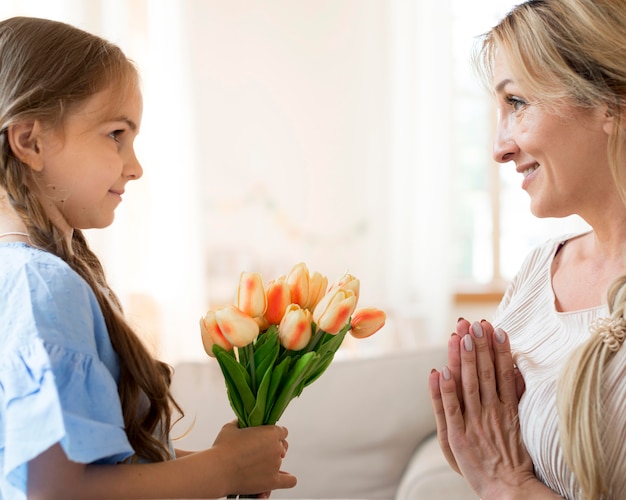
475, 400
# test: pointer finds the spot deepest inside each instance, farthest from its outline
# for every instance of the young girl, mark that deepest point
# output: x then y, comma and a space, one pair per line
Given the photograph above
84, 409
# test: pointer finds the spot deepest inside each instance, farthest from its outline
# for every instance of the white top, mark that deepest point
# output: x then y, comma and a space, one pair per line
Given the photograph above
542, 339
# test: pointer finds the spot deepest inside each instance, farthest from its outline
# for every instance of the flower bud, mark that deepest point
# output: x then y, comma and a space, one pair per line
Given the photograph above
294, 330
251, 295
348, 282
317, 289
278, 298
211, 334
236, 326
366, 322
298, 281
334, 310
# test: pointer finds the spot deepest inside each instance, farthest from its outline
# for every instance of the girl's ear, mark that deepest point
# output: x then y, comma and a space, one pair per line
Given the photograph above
25, 142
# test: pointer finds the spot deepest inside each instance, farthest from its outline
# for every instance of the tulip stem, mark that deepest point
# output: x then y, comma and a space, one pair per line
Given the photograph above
252, 367
319, 333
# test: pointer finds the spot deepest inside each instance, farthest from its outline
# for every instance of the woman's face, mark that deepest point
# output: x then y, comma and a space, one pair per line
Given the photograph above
85, 167
562, 155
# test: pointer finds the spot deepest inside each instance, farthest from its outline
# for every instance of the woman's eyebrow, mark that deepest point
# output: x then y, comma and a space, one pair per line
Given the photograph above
503, 84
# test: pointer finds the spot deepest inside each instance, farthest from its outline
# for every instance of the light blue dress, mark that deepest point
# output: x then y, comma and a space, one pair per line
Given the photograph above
58, 370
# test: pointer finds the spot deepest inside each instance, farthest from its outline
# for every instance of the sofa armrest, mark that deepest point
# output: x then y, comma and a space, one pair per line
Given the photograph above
428, 475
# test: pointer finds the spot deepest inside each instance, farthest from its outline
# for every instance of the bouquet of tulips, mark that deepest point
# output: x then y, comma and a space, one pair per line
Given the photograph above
276, 340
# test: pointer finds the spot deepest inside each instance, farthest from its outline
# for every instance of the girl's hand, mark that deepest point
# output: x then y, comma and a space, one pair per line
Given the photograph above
255, 454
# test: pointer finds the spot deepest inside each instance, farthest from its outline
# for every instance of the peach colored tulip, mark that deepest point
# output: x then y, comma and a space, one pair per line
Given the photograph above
251, 294
211, 334
294, 330
317, 289
236, 326
348, 282
367, 321
278, 296
334, 310
298, 281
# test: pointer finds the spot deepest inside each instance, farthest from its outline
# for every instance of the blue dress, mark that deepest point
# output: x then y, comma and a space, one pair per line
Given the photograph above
58, 370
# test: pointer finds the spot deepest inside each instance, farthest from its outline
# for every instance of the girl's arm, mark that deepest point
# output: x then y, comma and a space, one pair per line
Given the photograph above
241, 461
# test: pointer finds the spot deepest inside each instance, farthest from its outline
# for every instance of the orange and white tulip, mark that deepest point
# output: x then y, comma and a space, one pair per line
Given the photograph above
211, 334
294, 330
348, 282
278, 296
333, 312
251, 297
317, 289
367, 321
298, 281
236, 326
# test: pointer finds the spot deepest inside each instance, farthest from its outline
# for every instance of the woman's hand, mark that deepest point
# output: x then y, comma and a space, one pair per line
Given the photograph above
480, 330
475, 400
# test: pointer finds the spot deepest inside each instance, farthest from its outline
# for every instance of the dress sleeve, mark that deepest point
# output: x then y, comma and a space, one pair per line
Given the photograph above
53, 387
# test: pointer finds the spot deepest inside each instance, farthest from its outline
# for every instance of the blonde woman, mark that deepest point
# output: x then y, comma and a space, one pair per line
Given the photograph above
558, 72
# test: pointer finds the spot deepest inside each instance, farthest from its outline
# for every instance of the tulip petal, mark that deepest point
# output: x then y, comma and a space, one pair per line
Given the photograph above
295, 330
251, 297
366, 322
278, 298
211, 334
236, 326
298, 281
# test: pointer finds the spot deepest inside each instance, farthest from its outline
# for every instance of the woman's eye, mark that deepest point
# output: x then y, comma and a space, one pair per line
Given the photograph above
515, 102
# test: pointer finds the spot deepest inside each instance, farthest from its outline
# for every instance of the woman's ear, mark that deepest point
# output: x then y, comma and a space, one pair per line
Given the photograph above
25, 142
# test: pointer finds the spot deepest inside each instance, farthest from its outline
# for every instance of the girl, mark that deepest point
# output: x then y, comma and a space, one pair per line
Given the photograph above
558, 71
85, 411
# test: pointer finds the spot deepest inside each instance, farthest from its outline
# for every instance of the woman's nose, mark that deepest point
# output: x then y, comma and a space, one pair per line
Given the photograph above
504, 147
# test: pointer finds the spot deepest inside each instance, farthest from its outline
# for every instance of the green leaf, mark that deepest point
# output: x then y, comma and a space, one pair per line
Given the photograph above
257, 415
237, 380
293, 386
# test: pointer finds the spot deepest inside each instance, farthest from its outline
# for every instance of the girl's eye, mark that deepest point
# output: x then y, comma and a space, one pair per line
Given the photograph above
115, 135
515, 102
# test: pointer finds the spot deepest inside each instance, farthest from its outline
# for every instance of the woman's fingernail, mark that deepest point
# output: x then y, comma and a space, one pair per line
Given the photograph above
477, 330
467, 342
446, 373
461, 318
500, 335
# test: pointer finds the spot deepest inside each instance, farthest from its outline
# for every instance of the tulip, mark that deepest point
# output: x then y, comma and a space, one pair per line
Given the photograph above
211, 334
236, 326
367, 321
278, 298
251, 295
348, 282
298, 281
294, 330
317, 289
334, 310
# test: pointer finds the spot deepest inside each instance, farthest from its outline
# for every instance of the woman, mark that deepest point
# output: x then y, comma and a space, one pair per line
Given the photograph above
558, 71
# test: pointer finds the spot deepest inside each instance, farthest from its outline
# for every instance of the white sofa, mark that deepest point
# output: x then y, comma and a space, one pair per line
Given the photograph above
364, 430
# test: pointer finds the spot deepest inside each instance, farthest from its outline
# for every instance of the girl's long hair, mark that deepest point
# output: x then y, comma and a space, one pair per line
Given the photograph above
575, 51
48, 69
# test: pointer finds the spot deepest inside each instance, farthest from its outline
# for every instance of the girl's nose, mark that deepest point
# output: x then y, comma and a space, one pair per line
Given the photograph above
133, 169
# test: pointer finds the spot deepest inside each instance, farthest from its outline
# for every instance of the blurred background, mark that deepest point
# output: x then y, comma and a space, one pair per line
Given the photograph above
351, 135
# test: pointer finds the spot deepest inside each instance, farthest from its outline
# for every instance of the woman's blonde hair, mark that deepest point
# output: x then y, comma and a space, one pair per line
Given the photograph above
575, 51
48, 69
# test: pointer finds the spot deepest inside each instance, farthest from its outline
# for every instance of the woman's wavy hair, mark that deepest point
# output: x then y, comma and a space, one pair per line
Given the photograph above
47, 70
573, 51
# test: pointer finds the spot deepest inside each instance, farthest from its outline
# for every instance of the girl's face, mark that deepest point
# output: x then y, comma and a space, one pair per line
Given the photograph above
85, 167
562, 157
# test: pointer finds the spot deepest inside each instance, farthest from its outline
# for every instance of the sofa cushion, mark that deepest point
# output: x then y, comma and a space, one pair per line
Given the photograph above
351, 433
